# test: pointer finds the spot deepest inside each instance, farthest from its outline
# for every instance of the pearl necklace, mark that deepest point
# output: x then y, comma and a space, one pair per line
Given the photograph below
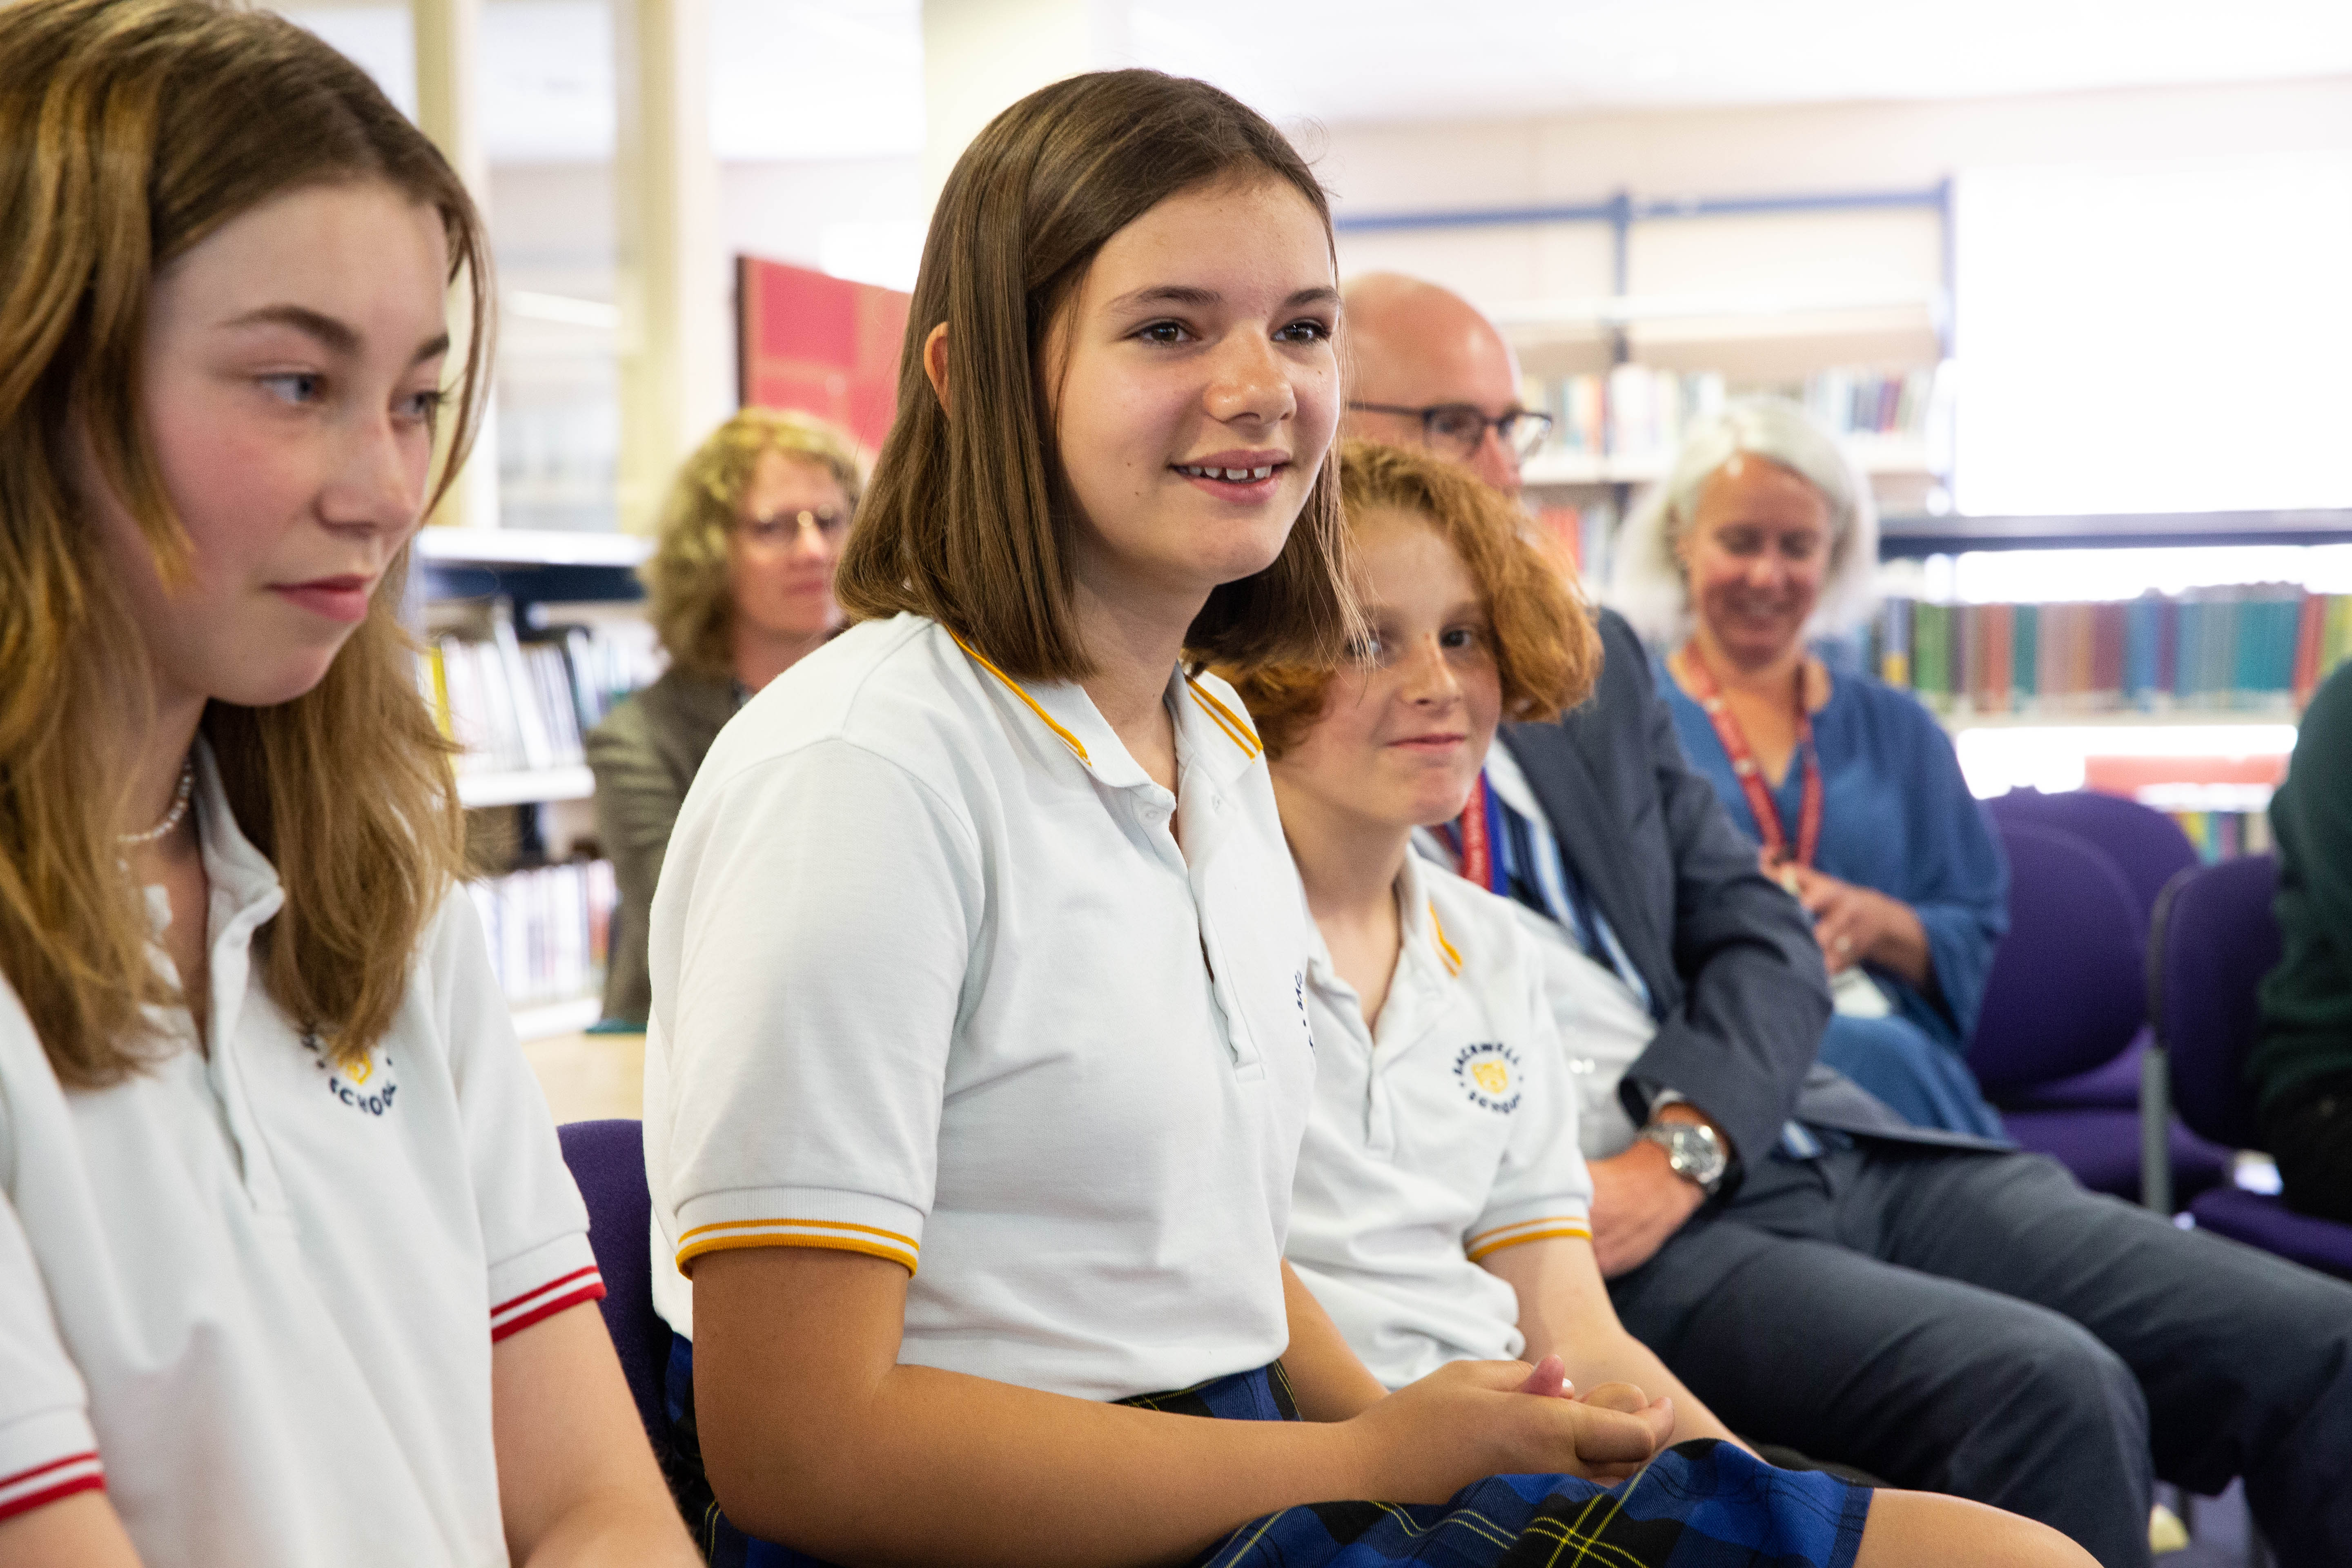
180, 798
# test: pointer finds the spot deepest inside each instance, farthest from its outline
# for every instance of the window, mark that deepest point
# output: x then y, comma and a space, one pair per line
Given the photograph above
2171, 337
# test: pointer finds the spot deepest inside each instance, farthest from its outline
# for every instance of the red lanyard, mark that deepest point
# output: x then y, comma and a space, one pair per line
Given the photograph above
1475, 831
1751, 777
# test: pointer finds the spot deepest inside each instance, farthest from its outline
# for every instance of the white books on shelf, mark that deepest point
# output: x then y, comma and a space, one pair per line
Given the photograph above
524, 706
548, 926
1625, 424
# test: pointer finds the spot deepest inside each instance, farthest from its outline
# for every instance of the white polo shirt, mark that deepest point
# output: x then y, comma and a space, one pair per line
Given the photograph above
259, 1289
1444, 1137
932, 981
1604, 1024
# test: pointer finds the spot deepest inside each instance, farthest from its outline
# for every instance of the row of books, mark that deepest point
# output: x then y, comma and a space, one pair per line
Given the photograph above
549, 927
1633, 410
2258, 648
518, 705
2225, 835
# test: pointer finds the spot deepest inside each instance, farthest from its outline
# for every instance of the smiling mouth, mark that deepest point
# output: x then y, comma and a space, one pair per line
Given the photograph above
1229, 476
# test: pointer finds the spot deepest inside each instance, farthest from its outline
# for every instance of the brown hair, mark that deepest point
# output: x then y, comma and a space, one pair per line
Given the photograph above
1546, 648
968, 520
689, 580
130, 131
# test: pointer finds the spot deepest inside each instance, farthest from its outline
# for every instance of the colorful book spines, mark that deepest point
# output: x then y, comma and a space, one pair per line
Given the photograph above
2246, 650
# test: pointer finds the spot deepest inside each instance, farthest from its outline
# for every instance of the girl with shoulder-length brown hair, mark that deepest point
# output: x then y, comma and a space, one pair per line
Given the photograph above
979, 1054
275, 1184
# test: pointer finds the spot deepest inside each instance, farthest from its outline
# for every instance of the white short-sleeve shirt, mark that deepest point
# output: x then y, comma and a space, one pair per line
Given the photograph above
1604, 1025
253, 1293
1445, 1135
932, 981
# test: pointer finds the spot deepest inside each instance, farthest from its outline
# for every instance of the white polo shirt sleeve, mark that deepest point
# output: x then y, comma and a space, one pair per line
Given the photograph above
534, 1226
1542, 1188
48, 1448
806, 1093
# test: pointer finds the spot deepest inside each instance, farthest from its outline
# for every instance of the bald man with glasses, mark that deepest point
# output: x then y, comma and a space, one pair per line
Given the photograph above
1427, 370
1939, 1309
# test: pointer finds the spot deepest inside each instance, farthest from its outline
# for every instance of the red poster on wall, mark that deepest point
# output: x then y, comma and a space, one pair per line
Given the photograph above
819, 344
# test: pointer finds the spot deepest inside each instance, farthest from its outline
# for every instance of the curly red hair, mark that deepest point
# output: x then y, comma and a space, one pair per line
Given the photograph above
1546, 648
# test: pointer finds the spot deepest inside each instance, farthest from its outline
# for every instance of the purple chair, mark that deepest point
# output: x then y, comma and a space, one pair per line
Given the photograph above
2214, 939
608, 1162
2150, 849
2147, 846
2092, 1120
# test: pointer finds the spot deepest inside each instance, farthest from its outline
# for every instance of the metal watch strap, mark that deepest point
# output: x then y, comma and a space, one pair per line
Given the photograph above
1671, 1136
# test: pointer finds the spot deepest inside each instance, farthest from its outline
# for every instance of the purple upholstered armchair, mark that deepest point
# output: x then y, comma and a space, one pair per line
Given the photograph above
2092, 1119
2213, 940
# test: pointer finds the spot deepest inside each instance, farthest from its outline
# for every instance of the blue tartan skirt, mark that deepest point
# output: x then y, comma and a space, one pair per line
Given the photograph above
1700, 1504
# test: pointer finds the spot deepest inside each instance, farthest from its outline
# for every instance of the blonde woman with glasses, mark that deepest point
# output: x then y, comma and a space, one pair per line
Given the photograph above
741, 589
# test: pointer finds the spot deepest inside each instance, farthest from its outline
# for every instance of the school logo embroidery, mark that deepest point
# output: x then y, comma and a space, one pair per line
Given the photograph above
1488, 1072
365, 1085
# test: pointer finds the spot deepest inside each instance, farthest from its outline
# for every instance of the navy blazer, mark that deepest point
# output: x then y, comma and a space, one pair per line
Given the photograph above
1736, 979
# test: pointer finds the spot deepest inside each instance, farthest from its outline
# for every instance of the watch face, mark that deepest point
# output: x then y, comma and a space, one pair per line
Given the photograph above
1693, 1152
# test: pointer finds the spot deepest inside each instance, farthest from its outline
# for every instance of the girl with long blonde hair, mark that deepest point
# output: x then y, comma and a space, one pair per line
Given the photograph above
290, 1269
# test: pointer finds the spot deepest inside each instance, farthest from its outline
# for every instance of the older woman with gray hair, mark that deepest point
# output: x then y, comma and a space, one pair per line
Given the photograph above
1761, 536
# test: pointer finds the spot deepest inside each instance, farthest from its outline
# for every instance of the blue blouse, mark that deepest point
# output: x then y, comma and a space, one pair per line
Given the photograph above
1897, 816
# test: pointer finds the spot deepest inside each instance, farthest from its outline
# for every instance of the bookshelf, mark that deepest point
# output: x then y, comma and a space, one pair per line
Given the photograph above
1919, 537
478, 792
1623, 376
530, 635
2186, 700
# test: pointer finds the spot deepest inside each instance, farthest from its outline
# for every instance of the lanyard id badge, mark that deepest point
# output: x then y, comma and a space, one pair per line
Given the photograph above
1766, 810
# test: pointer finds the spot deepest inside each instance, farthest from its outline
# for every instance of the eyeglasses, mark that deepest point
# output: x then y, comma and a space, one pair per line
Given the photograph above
779, 528
1455, 429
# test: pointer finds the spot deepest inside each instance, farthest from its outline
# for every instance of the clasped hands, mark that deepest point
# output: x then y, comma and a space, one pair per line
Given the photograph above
1471, 1419
1856, 924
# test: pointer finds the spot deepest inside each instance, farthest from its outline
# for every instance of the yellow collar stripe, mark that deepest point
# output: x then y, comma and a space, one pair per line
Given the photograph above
1014, 687
1240, 734
1437, 928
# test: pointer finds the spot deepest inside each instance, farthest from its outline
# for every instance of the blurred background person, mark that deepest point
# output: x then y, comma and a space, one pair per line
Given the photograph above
1761, 534
1410, 346
741, 589
2301, 1067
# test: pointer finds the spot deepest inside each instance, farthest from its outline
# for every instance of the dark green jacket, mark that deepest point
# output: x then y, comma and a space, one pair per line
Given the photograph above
2308, 999
644, 753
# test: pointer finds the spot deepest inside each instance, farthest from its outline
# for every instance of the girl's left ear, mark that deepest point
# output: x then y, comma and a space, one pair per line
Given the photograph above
935, 362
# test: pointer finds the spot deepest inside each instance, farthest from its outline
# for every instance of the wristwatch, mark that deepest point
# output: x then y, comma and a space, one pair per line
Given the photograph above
1693, 1152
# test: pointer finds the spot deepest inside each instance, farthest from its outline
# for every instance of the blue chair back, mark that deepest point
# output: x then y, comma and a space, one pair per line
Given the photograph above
2066, 991
2213, 940
608, 1162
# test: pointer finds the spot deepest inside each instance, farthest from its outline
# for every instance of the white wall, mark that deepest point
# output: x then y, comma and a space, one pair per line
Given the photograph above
1659, 154
554, 222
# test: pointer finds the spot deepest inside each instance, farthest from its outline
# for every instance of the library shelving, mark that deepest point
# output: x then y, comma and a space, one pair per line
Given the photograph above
2219, 651
480, 791
1624, 377
2184, 698
528, 636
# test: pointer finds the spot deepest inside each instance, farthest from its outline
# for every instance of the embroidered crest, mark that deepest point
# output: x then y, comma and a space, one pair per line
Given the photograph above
1488, 1072
366, 1086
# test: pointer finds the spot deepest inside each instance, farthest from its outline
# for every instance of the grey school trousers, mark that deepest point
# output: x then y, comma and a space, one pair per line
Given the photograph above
1978, 1324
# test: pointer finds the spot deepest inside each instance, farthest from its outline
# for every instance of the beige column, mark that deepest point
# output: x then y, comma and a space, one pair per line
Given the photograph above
982, 55
448, 108
677, 375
